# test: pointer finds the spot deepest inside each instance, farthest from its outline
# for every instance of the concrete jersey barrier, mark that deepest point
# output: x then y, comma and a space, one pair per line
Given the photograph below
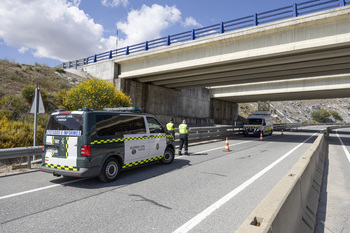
291, 206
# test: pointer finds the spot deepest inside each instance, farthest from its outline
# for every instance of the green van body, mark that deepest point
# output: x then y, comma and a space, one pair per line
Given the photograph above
101, 143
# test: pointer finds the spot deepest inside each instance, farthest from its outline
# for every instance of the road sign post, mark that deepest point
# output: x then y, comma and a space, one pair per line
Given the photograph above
37, 107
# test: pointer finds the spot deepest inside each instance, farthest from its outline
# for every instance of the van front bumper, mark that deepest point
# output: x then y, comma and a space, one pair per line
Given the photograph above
252, 132
81, 172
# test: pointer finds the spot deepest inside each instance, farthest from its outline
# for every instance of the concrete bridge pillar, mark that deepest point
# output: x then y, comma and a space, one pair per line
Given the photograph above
195, 105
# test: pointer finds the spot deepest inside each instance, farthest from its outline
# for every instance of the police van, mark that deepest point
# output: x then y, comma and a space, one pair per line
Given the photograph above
89, 143
258, 122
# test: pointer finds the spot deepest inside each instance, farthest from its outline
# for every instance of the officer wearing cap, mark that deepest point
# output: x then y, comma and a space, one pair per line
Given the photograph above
183, 130
170, 127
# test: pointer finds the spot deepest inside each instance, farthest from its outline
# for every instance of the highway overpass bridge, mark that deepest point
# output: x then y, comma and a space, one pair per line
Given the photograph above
305, 57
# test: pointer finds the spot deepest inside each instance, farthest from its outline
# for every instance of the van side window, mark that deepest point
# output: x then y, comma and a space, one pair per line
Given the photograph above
107, 125
154, 126
133, 124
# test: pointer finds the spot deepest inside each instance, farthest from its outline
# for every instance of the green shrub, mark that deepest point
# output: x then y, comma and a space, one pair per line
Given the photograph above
59, 101
321, 116
41, 120
336, 115
28, 93
18, 134
12, 102
59, 70
96, 94
38, 69
4, 113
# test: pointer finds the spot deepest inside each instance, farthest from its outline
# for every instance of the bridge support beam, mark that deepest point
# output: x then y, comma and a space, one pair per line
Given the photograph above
195, 105
323, 87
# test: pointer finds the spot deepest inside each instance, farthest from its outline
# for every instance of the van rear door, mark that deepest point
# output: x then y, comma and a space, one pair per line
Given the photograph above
61, 143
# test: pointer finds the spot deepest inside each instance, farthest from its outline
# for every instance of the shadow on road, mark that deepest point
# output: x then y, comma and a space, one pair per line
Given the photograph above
127, 177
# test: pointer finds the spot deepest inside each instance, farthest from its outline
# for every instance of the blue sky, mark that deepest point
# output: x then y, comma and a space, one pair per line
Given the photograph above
54, 31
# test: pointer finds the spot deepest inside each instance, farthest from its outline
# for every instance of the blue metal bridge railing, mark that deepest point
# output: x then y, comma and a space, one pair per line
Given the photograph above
256, 19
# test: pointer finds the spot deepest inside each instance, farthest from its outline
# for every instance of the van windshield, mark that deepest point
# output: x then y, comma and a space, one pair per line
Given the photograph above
65, 124
254, 121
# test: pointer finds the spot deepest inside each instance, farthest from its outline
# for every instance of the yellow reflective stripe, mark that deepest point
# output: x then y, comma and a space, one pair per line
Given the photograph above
128, 139
52, 144
61, 167
142, 161
67, 139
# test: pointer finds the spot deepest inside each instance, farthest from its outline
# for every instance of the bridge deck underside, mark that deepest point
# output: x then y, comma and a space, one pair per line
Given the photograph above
330, 61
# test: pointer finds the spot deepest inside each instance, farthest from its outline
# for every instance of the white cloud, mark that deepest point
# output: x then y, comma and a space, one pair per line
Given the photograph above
191, 22
76, 3
55, 29
114, 3
147, 23
58, 29
23, 50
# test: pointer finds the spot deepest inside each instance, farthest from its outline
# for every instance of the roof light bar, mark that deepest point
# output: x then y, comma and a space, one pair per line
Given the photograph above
124, 109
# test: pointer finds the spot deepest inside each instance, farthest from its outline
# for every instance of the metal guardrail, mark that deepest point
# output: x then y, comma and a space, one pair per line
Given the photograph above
298, 125
256, 19
196, 133
28, 152
208, 133
19, 152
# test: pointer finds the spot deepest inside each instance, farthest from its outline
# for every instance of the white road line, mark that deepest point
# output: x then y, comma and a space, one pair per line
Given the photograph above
73, 181
208, 211
217, 148
40, 189
343, 146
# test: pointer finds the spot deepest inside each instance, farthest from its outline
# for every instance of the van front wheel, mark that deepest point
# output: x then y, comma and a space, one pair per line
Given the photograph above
168, 156
110, 170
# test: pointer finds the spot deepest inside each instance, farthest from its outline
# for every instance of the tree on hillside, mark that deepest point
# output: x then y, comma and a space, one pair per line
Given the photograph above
96, 94
321, 115
336, 115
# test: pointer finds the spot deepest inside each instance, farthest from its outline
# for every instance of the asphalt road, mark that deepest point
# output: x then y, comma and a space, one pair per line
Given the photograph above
208, 191
334, 205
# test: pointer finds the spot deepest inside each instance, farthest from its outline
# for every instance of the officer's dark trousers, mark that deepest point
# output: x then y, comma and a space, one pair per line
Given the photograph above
172, 133
183, 142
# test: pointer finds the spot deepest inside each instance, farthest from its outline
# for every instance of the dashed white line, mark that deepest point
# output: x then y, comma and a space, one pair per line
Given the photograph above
221, 147
39, 189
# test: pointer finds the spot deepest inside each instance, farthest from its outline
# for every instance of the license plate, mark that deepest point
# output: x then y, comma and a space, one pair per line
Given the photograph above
52, 150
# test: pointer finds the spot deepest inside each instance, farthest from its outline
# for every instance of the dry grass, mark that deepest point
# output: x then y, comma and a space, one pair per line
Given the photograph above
14, 77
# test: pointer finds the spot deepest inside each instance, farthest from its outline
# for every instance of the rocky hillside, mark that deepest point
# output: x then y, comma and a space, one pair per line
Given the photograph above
300, 111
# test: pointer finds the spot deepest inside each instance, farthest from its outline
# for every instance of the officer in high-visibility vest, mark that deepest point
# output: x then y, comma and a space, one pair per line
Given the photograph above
170, 127
183, 130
